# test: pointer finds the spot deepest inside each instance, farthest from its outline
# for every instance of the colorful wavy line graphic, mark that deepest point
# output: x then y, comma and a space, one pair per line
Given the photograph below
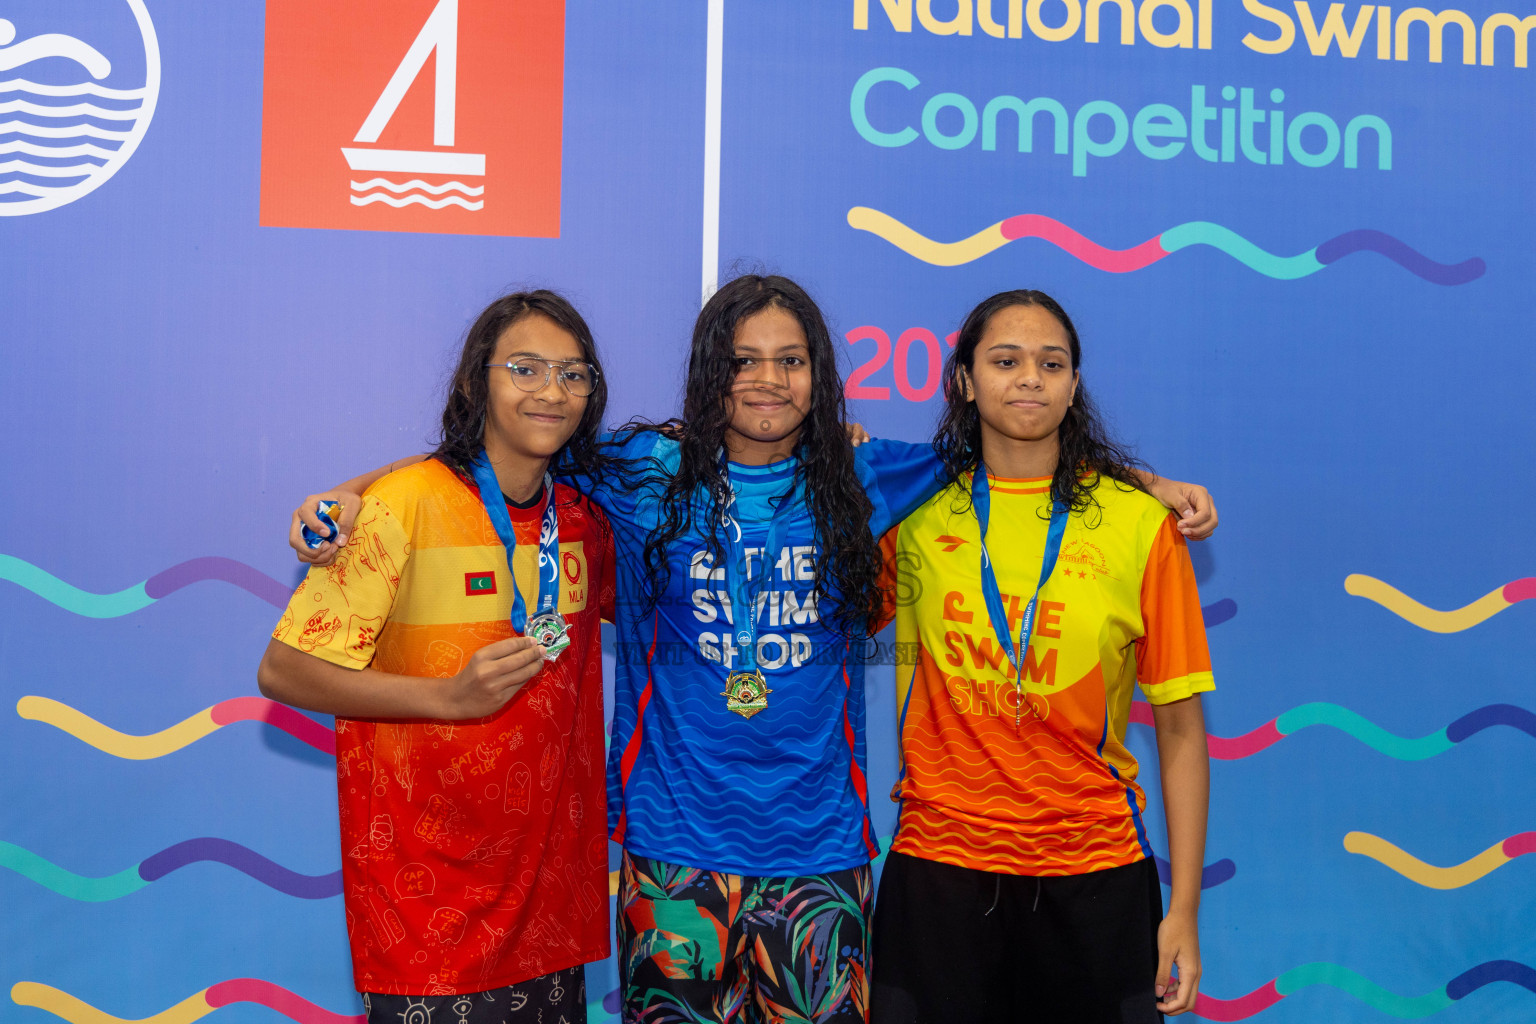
1211, 875
1123, 261
184, 733
1365, 990
1217, 612
1454, 621
196, 1006
130, 880
141, 595
1429, 875
1231, 748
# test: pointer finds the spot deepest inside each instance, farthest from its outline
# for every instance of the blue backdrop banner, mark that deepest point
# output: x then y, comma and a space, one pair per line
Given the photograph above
241, 245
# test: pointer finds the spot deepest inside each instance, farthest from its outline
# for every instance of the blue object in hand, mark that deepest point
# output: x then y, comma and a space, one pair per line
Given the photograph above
327, 512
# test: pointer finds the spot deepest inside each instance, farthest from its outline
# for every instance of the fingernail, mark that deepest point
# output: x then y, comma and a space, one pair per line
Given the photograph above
1160, 990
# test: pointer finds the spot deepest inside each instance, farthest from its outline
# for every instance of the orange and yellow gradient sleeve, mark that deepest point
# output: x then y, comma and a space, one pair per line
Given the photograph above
339, 609
1172, 658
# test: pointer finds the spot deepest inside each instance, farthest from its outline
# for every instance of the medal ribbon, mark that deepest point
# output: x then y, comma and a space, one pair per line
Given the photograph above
981, 501
744, 592
549, 539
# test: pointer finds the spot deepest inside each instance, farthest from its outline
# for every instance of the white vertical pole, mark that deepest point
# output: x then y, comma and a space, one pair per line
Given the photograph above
714, 67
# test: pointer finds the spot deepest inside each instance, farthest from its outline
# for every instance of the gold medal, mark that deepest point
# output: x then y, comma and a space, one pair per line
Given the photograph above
746, 693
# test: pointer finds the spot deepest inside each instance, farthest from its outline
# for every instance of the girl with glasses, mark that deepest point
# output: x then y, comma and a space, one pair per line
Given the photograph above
473, 856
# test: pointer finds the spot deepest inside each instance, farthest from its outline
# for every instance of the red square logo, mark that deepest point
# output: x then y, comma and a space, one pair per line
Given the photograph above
440, 116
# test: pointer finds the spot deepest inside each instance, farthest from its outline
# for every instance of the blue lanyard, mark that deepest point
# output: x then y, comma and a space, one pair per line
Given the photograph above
744, 592
981, 501
549, 539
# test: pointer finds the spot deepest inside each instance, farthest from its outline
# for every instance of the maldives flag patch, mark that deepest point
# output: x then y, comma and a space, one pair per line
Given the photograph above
479, 583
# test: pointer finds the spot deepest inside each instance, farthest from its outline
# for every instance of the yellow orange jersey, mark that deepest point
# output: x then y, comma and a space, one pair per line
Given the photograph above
473, 853
1035, 781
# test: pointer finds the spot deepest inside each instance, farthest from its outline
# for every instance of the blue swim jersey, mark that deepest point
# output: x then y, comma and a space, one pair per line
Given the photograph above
690, 782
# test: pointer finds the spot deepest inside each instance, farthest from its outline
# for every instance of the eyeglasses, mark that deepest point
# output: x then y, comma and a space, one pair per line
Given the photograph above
532, 374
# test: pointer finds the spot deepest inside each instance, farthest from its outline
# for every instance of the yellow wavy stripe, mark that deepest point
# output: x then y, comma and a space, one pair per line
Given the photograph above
613, 883
1405, 607
940, 254
62, 1004
1428, 875
944, 838
119, 744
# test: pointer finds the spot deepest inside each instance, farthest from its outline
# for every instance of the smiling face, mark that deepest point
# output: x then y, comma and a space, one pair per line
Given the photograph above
531, 424
771, 394
1021, 376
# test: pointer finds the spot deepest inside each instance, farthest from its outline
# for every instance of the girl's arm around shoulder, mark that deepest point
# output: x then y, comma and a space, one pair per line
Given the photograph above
899, 475
349, 495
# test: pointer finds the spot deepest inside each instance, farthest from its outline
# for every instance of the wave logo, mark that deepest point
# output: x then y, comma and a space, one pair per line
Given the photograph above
439, 116
63, 130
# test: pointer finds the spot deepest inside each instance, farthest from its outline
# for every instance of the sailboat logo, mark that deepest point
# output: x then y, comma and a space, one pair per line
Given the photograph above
438, 116
64, 136
440, 36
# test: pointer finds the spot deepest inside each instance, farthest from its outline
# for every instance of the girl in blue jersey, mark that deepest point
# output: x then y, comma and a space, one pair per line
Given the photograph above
736, 767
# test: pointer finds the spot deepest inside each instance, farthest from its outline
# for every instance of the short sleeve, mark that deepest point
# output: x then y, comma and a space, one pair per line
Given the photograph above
902, 475
339, 609
1172, 659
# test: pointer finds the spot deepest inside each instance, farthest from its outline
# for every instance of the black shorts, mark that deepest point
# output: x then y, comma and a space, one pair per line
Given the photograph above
559, 997
958, 945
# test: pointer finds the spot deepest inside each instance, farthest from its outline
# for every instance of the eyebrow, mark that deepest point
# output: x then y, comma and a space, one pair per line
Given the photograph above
1011, 347
753, 350
535, 355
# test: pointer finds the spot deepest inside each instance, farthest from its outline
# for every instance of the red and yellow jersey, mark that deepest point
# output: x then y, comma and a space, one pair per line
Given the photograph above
1055, 794
473, 853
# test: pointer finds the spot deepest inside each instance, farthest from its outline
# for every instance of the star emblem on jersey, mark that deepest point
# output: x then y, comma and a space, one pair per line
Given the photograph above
1082, 560
746, 693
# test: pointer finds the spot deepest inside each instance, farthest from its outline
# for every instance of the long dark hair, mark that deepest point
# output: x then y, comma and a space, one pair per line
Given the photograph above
464, 413
1087, 450
848, 558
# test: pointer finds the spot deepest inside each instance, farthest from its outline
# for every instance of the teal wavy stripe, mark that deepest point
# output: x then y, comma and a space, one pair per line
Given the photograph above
1364, 730
1201, 232
1363, 989
72, 599
67, 883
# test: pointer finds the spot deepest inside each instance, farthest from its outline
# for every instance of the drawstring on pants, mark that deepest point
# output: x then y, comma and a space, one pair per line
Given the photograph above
997, 889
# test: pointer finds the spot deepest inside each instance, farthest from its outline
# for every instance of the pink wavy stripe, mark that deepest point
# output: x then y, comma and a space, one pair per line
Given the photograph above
1116, 261
1257, 1001
1520, 845
275, 997
1520, 590
1223, 748
259, 709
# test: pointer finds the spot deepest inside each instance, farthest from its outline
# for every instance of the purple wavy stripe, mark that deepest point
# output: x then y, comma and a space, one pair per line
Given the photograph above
1218, 612
1211, 875
1475, 722
1411, 260
1511, 971
223, 851
225, 569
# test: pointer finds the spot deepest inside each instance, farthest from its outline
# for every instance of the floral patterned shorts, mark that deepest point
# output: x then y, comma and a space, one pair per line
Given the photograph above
707, 946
